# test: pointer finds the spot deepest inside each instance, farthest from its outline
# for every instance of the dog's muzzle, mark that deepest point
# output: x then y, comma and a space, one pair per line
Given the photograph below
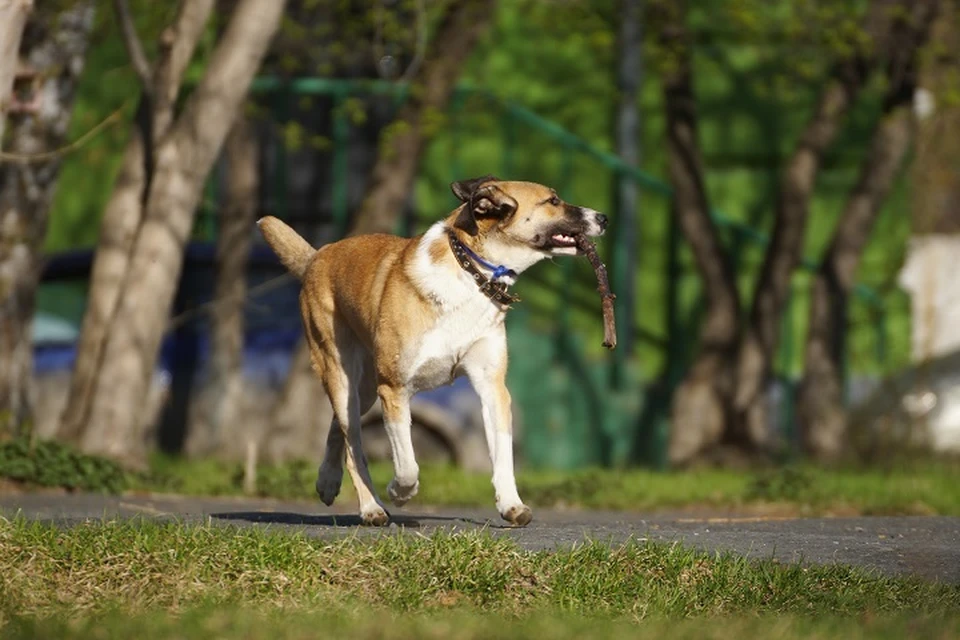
595, 222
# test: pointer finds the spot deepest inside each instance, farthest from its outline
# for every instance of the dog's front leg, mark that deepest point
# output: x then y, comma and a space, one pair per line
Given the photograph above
491, 385
395, 401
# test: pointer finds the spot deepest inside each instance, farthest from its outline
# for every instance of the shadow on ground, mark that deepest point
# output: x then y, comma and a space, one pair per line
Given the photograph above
351, 520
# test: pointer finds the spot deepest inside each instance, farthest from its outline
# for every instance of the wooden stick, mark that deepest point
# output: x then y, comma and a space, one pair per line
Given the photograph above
603, 286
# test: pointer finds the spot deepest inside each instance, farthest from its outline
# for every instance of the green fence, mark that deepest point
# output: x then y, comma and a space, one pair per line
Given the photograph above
577, 404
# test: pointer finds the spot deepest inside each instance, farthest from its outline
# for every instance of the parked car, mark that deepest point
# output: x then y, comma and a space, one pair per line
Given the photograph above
446, 421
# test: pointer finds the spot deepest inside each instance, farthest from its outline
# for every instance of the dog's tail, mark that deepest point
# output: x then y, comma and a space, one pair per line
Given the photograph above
294, 252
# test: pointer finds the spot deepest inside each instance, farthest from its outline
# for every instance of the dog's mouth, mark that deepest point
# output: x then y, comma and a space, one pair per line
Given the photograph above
561, 243
561, 240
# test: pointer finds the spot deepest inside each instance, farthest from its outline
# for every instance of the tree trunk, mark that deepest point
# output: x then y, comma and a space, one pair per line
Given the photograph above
760, 339
123, 214
401, 147
183, 160
55, 47
13, 19
699, 412
782, 257
214, 419
821, 413
402, 143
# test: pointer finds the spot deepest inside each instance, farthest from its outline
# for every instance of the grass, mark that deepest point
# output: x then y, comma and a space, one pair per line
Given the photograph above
927, 488
338, 622
915, 487
164, 580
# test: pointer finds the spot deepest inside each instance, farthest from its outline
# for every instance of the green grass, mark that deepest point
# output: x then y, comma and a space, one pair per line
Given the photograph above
166, 580
916, 488
337, 621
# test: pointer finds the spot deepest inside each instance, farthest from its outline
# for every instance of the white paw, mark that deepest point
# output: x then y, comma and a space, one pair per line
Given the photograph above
376, 516
518, 515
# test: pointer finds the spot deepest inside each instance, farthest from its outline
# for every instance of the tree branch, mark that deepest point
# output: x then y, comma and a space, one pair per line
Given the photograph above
138, 58
178, 42
463, 23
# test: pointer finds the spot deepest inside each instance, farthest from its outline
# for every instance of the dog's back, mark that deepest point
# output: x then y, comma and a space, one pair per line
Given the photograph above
346, 277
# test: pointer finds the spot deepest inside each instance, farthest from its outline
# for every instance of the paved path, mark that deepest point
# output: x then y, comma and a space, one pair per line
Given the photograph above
928, 547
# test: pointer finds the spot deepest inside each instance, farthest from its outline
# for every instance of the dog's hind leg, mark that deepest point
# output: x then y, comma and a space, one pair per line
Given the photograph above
396, 422
330, 474
344, 391
339, 366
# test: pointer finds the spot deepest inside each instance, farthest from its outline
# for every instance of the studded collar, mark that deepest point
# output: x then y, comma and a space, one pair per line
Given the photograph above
493, 288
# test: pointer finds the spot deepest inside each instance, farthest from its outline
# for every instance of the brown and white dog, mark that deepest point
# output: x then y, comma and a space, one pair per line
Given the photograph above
386, 317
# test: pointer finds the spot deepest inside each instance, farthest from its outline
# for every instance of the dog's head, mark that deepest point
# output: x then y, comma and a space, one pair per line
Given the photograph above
523, 215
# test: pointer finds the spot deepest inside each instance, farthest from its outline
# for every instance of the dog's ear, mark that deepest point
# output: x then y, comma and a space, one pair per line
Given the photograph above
487, 200
465, 188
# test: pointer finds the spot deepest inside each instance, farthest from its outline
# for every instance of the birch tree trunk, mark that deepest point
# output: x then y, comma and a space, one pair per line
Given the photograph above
124, 211
54, 46
184, 157
13, 19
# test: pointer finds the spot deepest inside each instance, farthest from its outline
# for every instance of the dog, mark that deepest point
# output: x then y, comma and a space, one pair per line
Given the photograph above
387, 317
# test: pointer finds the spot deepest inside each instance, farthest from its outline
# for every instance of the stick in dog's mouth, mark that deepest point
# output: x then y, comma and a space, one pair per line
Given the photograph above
603, 286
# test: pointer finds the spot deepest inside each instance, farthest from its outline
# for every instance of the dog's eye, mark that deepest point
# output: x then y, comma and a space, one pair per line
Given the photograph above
555, 201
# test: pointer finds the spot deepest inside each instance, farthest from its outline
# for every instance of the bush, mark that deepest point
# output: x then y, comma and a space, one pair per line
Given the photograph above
53, 464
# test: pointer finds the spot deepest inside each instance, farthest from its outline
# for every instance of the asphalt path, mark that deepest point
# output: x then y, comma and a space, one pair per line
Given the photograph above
924, 546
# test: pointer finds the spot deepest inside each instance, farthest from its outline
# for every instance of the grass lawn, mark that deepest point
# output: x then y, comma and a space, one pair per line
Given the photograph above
148, 580
927, 488
911, 487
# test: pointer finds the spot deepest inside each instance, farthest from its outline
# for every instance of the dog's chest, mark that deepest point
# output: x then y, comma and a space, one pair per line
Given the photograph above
439, 354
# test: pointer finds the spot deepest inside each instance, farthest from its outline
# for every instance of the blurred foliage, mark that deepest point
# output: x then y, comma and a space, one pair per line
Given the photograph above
52, 464
758, 64
780, 485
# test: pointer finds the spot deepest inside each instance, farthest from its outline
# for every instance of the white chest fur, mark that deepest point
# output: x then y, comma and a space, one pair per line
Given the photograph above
467, 317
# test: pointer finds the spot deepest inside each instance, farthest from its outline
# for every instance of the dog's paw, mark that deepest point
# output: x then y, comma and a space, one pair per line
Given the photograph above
328, 484
519, 516
375, 517
400, 495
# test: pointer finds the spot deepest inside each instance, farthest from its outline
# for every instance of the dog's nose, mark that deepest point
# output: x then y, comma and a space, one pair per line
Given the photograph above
602, 220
